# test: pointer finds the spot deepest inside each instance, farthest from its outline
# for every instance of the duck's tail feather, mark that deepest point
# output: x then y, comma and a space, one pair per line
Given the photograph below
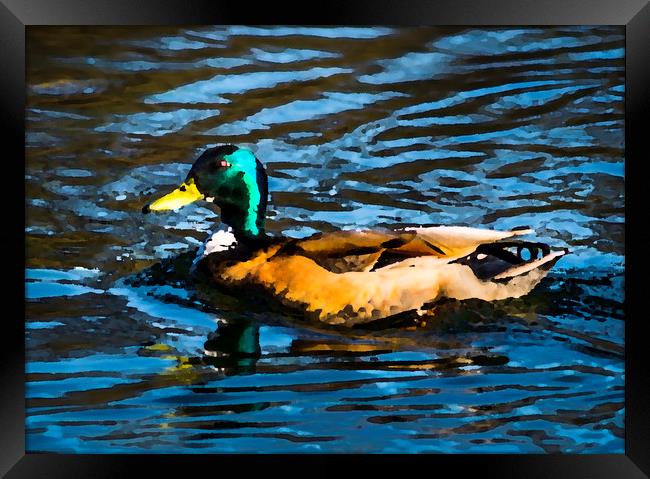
545, 263
504, 260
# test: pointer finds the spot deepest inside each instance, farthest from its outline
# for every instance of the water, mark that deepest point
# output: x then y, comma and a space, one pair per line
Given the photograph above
358, 127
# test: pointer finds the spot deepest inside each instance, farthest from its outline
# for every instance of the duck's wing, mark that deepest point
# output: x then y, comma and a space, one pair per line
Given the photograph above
346, 251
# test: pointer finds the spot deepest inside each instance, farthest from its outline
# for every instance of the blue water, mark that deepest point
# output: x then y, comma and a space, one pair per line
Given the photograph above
357, 127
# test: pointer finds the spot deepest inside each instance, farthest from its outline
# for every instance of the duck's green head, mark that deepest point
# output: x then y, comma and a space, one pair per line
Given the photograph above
232, 178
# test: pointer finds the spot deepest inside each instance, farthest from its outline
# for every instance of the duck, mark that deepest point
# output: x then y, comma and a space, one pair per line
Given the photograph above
347, 277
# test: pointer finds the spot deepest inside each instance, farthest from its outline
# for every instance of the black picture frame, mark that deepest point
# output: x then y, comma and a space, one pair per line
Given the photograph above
16, 15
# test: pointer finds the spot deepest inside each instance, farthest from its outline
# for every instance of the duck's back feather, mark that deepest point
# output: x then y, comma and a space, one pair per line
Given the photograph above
346, 251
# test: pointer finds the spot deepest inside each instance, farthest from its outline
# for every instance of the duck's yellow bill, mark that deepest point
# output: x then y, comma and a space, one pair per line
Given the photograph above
183, 195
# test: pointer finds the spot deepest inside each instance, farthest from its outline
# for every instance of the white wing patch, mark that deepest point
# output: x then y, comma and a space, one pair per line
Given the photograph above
219, 241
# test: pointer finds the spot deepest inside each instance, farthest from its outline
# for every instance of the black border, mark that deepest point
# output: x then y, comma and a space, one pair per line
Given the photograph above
15, 15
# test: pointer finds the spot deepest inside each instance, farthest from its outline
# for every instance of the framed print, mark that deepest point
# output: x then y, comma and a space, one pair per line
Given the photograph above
384, 233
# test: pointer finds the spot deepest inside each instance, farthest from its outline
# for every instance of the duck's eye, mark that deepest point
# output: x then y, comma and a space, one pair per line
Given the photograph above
182, 188
224, 163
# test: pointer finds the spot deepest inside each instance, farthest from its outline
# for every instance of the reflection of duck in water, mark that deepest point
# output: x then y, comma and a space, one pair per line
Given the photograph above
234, 347
348, 277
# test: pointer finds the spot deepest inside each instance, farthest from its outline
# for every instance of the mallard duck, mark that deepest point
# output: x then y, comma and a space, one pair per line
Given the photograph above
348, 277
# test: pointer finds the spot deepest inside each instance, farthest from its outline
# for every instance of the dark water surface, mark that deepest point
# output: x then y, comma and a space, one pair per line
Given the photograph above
358, 127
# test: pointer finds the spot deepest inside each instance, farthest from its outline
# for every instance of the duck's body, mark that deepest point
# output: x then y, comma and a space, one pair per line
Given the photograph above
351, 277
339, 277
